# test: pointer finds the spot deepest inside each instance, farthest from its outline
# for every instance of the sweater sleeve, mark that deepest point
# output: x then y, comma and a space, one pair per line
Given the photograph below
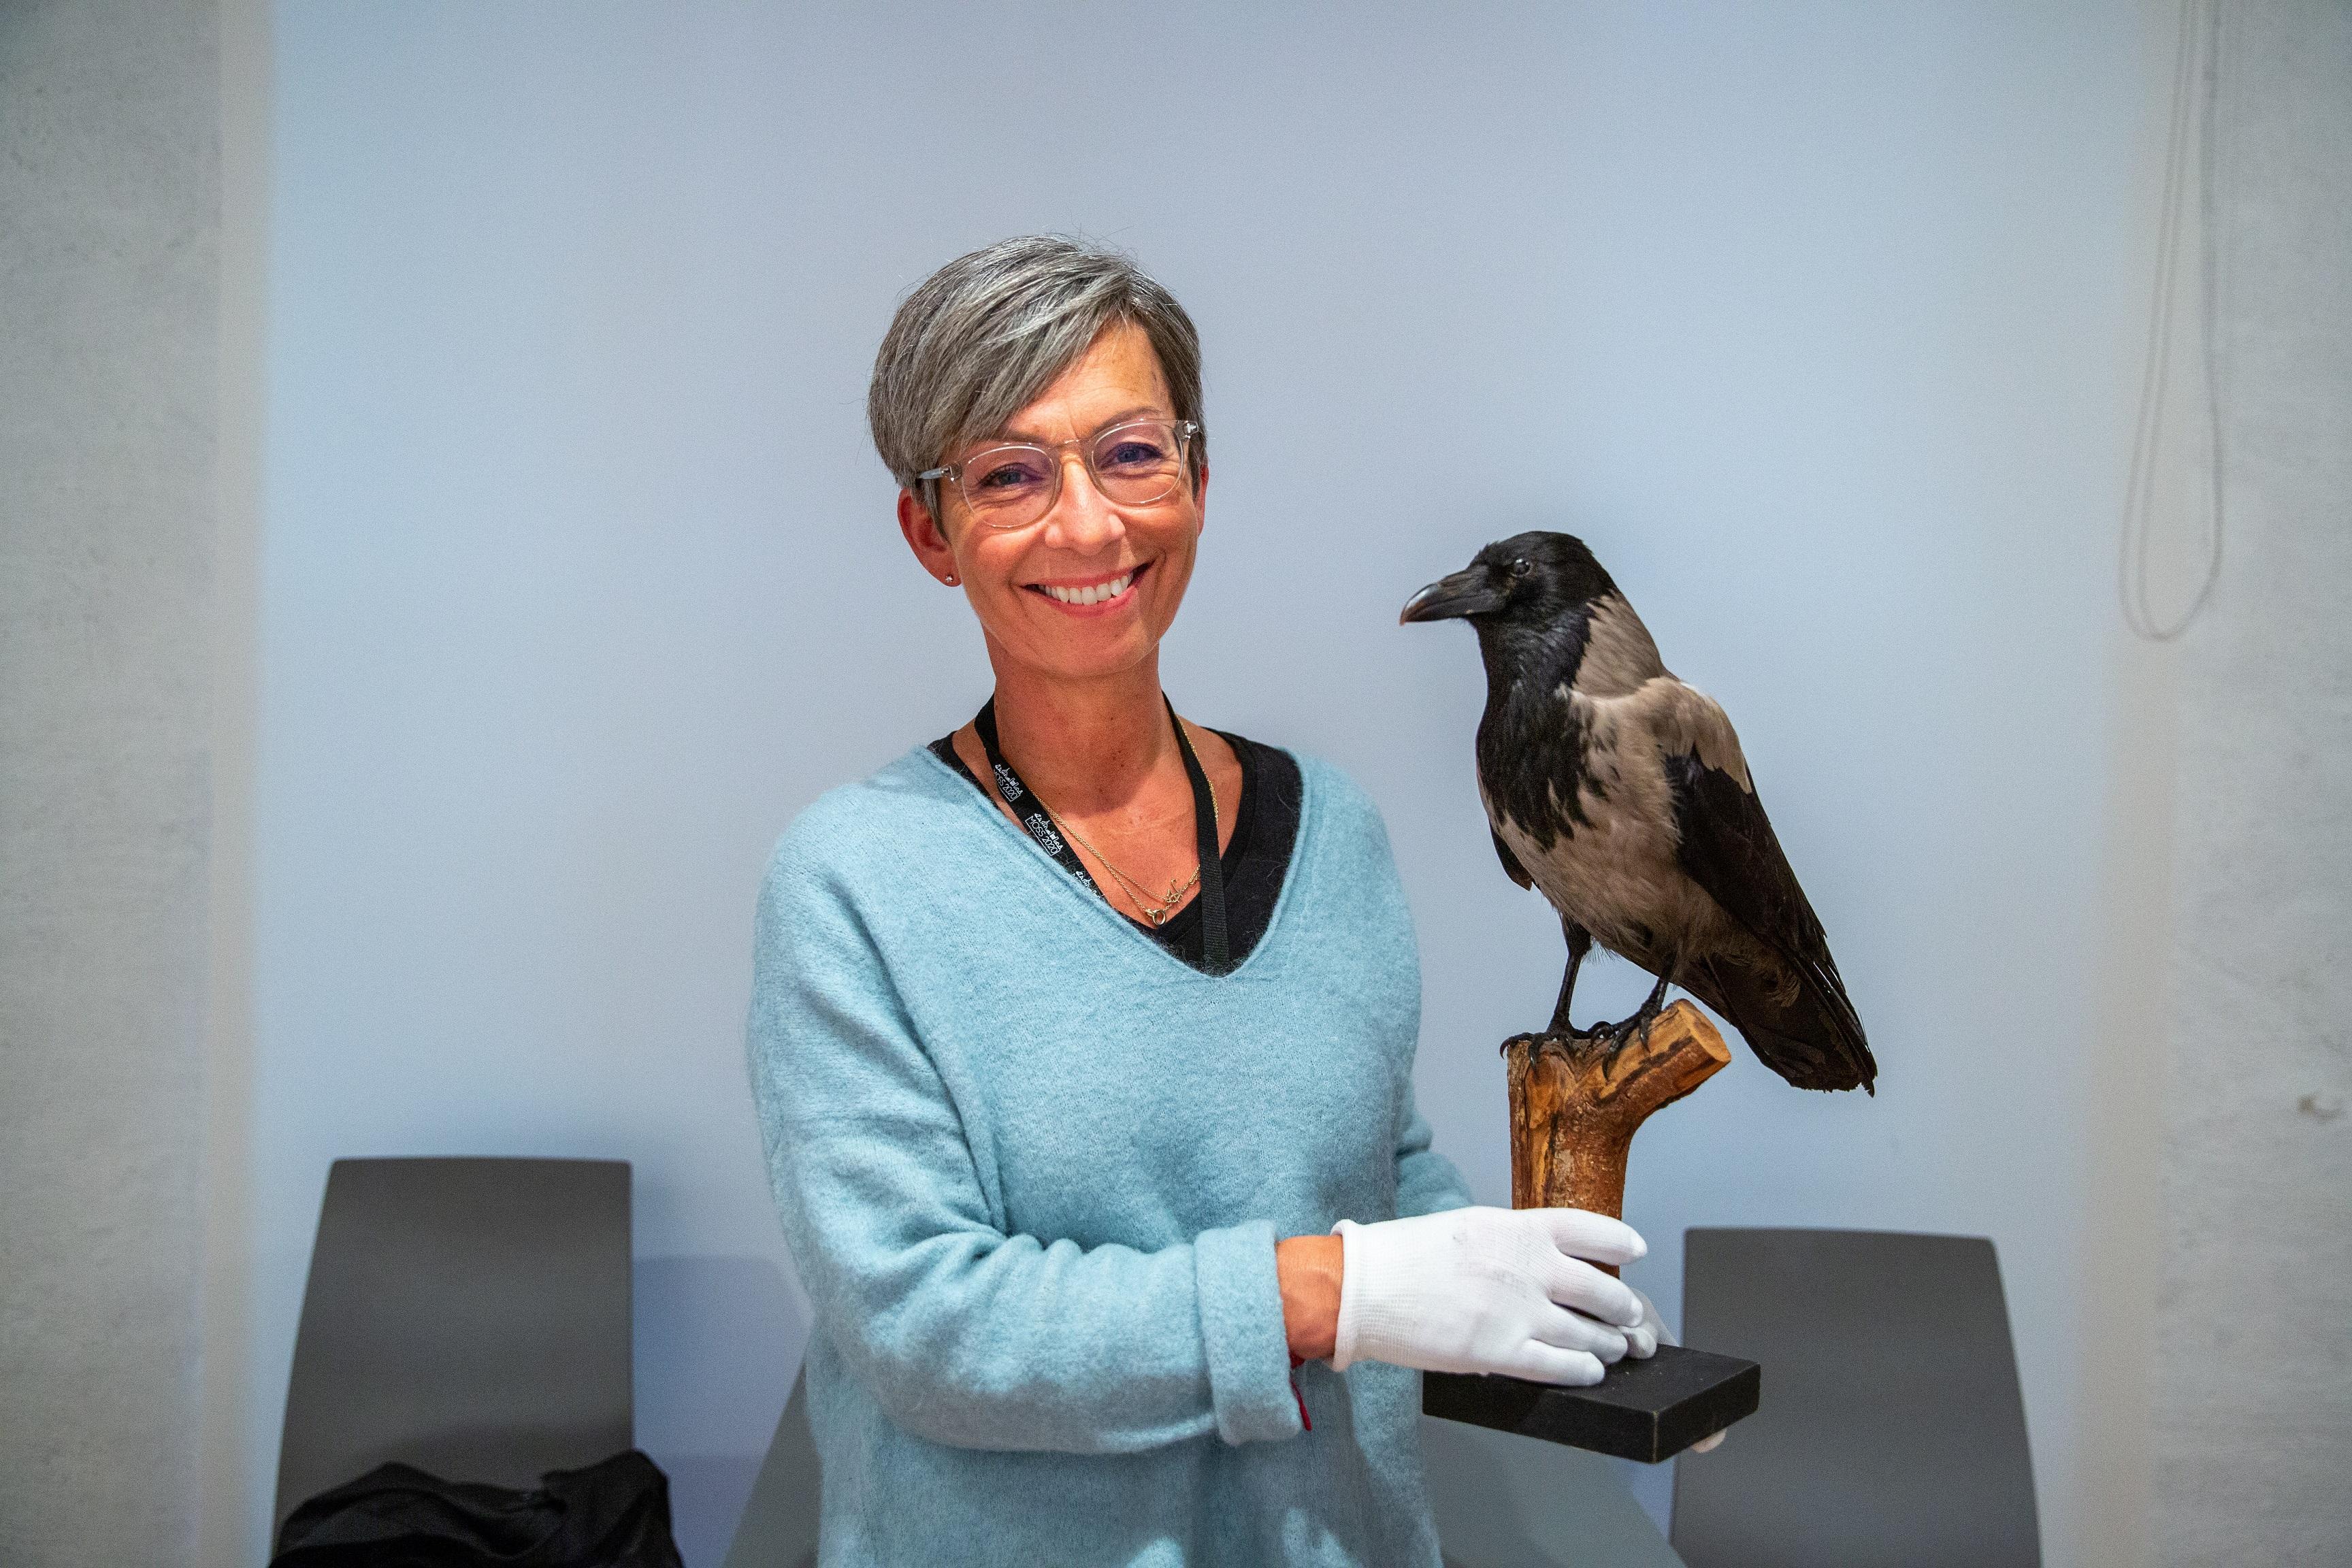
963, 1334
1427, 1181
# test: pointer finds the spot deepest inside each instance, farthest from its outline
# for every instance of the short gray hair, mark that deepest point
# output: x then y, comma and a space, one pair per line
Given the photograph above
985, 334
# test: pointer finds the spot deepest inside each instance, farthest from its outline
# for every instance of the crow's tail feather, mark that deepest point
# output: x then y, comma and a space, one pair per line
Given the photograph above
1807, 1033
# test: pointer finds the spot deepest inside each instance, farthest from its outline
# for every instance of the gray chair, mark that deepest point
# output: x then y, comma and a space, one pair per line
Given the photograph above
779, 1525
1892, 1430
1501, 1502
469, 1317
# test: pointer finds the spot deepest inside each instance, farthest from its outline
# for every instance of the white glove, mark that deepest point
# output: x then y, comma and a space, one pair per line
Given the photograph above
1488, 1289
1641, 1342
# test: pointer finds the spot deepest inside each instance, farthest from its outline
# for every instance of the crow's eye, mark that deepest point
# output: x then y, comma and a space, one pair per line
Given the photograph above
1522, 566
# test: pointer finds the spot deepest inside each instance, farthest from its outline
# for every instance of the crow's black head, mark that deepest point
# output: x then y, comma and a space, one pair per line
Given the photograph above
1530, 580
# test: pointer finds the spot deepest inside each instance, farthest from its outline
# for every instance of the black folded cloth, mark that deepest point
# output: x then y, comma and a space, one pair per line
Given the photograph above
612, 1514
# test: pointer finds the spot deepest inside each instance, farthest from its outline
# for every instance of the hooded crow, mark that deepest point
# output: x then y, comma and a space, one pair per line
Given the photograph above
1621, 795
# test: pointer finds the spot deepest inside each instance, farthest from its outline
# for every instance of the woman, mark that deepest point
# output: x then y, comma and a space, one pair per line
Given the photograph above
1077, 1033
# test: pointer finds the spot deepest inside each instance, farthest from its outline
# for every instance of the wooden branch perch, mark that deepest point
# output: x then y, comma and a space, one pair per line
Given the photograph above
1575, 1106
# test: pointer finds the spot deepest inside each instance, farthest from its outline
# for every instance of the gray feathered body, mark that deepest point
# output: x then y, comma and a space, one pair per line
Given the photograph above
1622, 795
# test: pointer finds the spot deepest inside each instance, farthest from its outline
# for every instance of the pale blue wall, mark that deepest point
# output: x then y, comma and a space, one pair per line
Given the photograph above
580, 578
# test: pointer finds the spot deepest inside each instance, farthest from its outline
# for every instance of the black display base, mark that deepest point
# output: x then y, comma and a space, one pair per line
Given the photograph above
1647, 1410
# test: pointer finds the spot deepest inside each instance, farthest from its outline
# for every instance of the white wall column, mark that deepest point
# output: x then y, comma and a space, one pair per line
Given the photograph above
109, 321
2251, 1379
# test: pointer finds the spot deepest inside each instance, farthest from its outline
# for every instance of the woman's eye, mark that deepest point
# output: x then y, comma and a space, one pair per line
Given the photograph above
1132, 453
1003, 473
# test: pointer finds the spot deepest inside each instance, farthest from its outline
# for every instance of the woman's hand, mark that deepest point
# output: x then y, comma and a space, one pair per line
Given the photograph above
1488, 1290
1309, 1270
1641, 1342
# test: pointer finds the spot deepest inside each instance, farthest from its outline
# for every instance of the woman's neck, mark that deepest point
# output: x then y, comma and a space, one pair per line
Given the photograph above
1087, 746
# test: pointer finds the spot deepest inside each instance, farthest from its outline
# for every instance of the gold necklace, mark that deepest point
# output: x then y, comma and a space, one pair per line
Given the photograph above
1159, 914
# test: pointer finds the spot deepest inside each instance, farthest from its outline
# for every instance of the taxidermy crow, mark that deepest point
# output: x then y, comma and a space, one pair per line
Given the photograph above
1622, 795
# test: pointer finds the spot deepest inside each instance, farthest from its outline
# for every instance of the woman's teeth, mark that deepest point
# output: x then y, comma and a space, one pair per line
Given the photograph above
1094, 596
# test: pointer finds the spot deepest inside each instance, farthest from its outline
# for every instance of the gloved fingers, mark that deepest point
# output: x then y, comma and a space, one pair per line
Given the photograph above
1563, 1330
1595, 1237
1540, 1363
1642, 1340
1591, 1292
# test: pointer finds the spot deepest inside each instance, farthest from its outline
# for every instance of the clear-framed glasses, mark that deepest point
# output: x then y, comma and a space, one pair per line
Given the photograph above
1012, 484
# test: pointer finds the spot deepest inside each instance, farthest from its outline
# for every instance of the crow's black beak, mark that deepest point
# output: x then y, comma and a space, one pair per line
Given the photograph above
1469, 592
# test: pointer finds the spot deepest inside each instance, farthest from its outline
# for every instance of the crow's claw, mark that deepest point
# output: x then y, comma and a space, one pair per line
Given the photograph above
1616, 1036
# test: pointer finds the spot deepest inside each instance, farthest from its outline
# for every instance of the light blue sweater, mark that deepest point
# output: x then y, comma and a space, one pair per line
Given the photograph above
1032, 1167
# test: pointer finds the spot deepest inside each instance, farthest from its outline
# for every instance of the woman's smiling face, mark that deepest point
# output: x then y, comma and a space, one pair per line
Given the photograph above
1039, 589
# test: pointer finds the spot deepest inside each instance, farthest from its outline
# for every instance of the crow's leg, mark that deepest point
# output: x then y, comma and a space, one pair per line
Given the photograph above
1657, 1000
1634, 1027
1579, 942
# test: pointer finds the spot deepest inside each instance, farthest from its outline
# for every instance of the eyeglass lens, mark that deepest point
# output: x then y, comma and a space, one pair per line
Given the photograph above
1133, 465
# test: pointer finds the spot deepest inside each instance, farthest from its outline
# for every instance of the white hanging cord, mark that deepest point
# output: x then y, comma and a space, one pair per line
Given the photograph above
2194, 93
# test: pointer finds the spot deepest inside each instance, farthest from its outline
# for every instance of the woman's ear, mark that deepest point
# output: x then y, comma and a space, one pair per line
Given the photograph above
925, 538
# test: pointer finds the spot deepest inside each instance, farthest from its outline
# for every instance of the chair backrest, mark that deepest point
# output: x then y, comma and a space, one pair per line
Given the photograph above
469, 1317
779, 1525
1892, 1429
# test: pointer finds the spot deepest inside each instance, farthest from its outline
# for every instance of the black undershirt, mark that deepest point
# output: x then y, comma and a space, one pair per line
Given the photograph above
1256, 858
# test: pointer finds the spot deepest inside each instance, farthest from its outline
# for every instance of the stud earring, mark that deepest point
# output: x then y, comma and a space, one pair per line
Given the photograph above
949, 579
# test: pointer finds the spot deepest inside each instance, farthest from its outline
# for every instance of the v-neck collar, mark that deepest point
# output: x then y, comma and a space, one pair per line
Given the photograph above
1100, 907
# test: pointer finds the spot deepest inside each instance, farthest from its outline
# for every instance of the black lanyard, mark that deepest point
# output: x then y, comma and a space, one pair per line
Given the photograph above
1034, 818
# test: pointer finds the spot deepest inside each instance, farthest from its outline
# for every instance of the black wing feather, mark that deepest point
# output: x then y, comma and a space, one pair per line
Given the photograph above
1814, 1038
1511, 866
